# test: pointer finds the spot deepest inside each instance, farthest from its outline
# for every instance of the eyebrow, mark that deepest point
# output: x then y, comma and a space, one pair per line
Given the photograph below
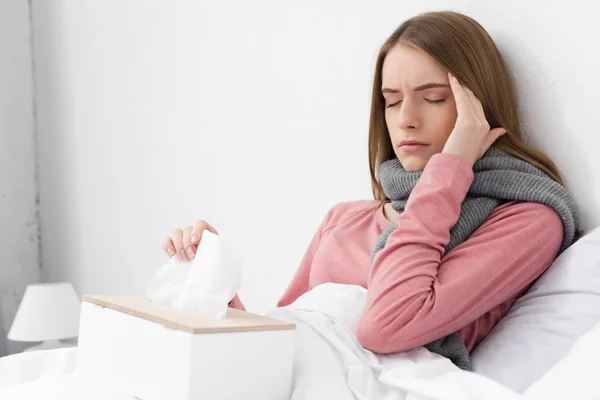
418, 88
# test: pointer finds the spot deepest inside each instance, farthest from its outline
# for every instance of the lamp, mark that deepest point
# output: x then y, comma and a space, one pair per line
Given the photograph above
48, 313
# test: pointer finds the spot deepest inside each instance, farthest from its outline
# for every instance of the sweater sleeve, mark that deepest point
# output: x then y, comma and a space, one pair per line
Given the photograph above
416, 294
237, 303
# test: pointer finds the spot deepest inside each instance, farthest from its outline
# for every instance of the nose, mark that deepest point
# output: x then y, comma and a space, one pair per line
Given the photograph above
408, 115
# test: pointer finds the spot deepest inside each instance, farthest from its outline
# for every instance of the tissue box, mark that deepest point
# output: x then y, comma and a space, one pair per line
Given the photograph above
154, 352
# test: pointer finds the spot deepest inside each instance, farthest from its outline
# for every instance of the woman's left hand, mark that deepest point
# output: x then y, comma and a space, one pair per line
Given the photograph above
471, 136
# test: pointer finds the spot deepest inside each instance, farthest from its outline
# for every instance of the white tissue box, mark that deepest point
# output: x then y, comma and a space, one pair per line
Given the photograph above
155, 352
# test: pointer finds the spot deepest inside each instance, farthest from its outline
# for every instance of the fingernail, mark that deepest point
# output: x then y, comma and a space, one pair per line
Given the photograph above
171, 251
194, 238
182, 254
190, 252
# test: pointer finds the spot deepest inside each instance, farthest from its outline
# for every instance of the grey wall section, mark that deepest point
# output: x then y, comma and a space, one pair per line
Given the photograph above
19, 227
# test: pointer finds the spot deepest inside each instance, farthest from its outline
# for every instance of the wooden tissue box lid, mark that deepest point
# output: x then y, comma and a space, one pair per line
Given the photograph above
139, 306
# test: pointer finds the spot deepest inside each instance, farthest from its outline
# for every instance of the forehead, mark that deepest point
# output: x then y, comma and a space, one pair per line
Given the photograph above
405, 66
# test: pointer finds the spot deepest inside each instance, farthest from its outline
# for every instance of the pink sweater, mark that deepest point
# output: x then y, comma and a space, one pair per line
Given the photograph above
416, 294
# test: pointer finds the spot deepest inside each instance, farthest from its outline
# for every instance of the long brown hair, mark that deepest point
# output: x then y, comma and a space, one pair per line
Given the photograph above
464, 48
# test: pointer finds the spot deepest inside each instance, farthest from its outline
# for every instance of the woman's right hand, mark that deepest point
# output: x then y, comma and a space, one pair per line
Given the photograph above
471, 136
184, 241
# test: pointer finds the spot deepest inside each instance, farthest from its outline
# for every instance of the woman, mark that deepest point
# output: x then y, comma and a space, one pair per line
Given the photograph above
466, 215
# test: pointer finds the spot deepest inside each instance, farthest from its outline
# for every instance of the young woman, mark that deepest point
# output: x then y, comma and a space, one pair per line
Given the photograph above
466, 215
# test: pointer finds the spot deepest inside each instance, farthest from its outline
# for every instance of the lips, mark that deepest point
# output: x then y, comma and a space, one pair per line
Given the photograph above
412, 145
411, 142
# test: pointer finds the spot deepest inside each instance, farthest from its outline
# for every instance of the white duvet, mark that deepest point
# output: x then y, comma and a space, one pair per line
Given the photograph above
329, 364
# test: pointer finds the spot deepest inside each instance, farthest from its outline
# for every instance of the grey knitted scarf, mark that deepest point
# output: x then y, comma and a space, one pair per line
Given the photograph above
498, 177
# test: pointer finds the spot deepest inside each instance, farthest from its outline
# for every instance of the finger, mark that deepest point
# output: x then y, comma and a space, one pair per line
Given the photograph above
491, 137
168, 246
177, 237
460, 96
476, 105
478, 114
197, 232
474, 102
199, 228
187, 245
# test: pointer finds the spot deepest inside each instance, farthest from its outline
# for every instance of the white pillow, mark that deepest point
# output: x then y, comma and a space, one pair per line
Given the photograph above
542, 325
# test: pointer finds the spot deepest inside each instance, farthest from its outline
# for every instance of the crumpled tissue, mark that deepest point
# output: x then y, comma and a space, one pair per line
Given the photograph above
204, 285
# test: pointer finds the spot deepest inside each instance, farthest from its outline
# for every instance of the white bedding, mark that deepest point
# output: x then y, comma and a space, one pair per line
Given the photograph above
329, 363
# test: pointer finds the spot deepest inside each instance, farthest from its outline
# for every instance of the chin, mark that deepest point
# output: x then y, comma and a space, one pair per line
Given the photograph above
412, 164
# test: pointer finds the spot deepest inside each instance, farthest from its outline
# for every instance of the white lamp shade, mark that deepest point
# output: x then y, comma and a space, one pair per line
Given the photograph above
48, 311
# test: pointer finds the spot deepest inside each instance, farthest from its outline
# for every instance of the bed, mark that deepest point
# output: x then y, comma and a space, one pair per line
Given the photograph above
546, 347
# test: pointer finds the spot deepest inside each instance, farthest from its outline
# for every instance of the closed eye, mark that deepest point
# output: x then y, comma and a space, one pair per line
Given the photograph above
435, 101
394, 104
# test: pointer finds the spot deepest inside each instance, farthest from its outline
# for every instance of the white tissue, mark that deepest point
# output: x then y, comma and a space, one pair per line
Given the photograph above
205, 285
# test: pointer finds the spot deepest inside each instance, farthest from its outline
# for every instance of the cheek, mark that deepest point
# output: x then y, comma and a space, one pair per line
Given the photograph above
445, 118
389, 116
390, 122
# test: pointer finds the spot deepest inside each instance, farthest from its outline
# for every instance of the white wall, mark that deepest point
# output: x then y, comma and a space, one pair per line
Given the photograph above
19, 229
253, 116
